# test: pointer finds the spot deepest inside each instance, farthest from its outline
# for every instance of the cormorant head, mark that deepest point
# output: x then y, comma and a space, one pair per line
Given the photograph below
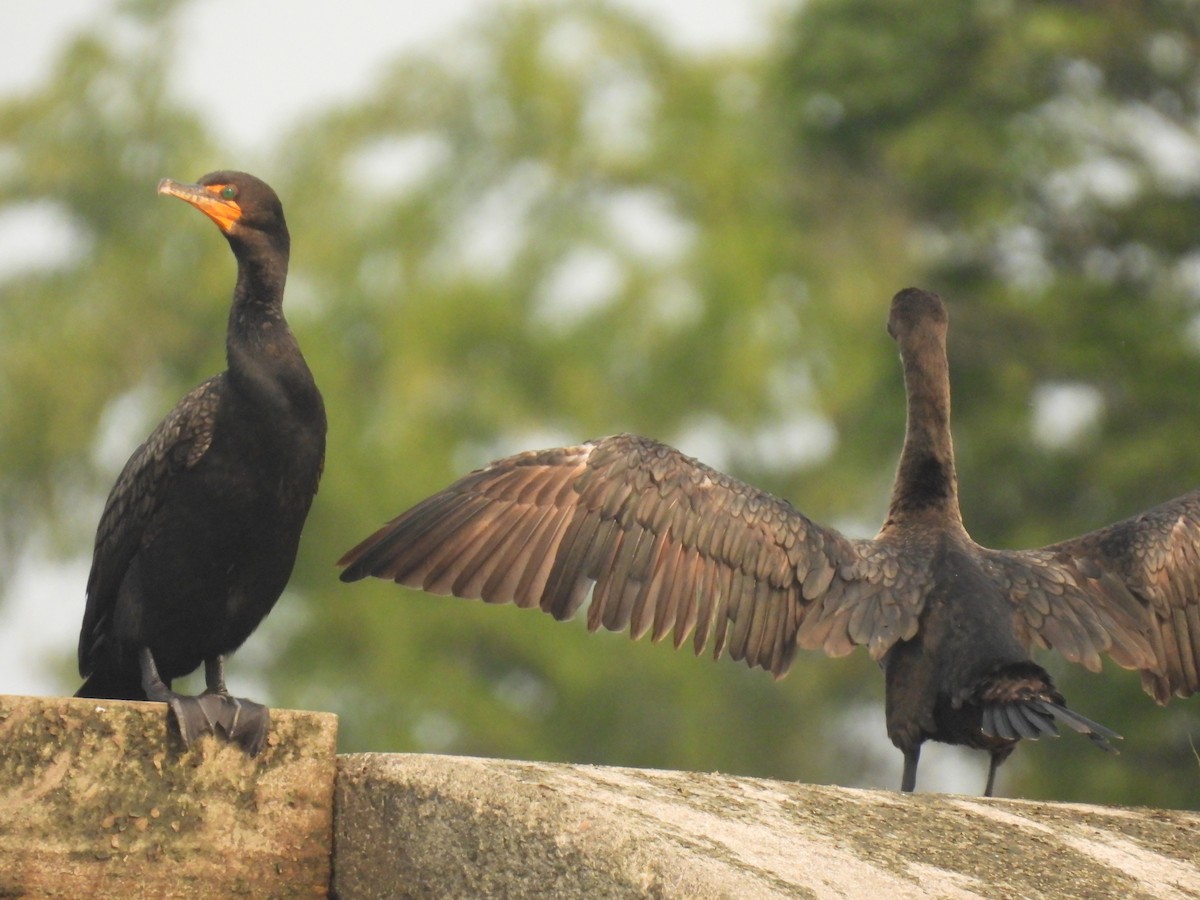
916, 311
239, 203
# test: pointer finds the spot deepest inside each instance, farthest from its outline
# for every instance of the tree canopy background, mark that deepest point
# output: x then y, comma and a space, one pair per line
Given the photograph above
566, 228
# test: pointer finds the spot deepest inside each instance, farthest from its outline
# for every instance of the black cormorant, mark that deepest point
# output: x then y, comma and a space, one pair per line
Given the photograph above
199, 534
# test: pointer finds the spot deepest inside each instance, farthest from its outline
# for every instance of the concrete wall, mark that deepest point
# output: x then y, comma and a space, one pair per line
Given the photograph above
440, 826
99, 799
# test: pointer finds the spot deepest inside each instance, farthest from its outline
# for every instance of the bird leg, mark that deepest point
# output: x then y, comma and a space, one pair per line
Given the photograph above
239, 720
214, 676
193, 717
997, 758
908, 782
999, 755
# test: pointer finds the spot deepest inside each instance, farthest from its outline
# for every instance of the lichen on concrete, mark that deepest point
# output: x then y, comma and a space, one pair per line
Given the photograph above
100, 798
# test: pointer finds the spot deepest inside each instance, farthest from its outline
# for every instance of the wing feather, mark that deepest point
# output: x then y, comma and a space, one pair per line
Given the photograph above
668, 588
1131, 590
707, 591
662, 543
503, 584
127, 523
690, 594
445, 560
744, 596
564, 595
532, 585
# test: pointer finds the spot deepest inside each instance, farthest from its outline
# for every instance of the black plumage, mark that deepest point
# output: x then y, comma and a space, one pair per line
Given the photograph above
199, 534
662, 543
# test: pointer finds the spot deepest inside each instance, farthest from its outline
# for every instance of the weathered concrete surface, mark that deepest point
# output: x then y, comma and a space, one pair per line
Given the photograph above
435, 826
98, 799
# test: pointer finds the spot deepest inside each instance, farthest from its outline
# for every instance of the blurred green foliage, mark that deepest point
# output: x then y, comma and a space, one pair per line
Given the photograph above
561, 227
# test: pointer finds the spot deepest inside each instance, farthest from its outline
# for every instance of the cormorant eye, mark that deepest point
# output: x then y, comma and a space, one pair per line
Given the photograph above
228, 192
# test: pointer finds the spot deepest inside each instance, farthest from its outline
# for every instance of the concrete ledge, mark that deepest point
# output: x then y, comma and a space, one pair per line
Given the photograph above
435, 826
98, 799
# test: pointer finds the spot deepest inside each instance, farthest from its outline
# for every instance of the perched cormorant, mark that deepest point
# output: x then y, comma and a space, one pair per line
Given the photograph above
199, 534
661, 542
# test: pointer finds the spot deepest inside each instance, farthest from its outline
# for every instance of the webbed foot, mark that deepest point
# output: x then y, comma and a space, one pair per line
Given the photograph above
242, 722
235, 719
195, 716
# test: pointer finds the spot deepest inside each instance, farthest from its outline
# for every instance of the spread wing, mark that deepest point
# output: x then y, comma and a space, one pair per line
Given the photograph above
1131, 590
661, 543
127, 523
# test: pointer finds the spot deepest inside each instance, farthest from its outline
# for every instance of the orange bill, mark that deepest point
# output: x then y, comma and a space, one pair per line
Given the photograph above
206, 198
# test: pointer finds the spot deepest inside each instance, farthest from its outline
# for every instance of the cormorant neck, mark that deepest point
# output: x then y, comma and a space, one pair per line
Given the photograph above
259, 346
926, 481
261, 276
262, 270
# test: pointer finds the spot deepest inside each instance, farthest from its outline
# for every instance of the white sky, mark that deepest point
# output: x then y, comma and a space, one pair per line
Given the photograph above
288, 58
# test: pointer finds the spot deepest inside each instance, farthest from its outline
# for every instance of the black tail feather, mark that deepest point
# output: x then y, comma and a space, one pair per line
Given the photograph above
988, 724
1043, 724
1099, 734
108, 685
1000, 726
1031, 719
1021, 722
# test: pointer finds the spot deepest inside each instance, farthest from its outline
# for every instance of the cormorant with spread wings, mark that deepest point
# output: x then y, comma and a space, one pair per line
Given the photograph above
664, 544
